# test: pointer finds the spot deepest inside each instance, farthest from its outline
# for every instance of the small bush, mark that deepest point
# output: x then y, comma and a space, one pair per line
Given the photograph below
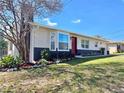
45, 54
18, 60
9, 62
43, 62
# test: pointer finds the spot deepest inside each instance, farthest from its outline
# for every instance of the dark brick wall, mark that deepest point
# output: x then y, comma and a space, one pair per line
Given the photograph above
64, 54
61, 54
37, 53
89, 52
53, 54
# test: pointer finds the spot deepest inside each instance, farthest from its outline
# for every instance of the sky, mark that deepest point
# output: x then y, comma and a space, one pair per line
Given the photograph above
91, 17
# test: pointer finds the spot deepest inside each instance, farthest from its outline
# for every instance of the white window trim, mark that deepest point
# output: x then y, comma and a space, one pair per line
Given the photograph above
84, 40
68, 41
51, 40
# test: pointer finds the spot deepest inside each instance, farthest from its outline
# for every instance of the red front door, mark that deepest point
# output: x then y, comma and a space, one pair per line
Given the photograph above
74, 45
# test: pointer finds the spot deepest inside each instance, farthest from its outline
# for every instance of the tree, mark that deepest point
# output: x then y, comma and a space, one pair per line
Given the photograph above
15, 18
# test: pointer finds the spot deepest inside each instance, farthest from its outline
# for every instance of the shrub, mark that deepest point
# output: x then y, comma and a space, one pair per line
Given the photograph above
45, 54
18, 60
10, 62
43, 62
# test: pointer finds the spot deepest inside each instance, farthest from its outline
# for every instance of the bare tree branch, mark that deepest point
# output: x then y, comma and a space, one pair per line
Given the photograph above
15, 16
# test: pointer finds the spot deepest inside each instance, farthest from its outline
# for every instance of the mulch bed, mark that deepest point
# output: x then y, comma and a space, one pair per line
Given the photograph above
24, 66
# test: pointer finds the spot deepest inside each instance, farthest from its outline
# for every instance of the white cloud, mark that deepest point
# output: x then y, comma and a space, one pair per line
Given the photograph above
76, 21
49, 23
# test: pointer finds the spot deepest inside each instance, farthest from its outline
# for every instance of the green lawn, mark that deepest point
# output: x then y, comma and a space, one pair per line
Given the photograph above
93, 75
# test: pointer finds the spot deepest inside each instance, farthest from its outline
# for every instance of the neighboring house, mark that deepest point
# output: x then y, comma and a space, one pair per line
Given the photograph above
12, 49
3, 47
120, 46
116, 47
60, 41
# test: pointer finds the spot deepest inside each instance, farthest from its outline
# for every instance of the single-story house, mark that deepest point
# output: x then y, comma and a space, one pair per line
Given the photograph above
115, 47
62, 42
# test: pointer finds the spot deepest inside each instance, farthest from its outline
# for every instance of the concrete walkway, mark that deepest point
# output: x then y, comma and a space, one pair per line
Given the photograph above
94, 56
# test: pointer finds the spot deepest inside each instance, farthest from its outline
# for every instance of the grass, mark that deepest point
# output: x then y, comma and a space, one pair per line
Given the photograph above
121, 53
92, 75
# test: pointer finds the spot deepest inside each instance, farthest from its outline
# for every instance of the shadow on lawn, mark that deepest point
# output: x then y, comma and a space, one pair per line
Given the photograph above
83, 60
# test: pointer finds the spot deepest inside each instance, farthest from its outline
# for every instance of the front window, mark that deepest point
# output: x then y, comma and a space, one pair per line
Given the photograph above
52, 36
63, 41
85, 43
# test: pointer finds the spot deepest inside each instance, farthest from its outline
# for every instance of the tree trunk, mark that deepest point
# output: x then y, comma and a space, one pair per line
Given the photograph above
24, 45
23, 51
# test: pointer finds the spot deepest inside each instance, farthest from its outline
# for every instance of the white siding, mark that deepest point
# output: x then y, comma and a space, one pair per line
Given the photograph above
39, 38
101, 44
